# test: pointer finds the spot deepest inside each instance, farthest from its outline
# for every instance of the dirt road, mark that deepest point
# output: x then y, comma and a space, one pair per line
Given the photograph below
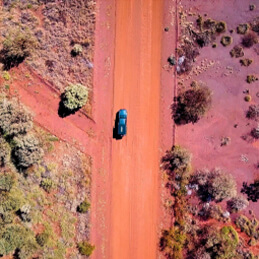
135, 158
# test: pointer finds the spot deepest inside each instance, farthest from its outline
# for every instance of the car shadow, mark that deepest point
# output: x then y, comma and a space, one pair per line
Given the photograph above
115, 128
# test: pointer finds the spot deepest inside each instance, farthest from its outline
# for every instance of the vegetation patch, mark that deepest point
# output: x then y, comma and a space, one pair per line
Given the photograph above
253, 112
242, 28
251, 78
17, 46
191, 105
84, 206
85, 248
237, 52
249, 40
246, 62
226, 40
251, 190
248, 98
237, 204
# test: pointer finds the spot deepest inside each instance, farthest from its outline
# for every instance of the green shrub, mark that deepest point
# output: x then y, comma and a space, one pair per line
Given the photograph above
255, 132
85, 248
47, 184
5, 152
14, 119
172, 242
250, 227
84, 207
42, 238
16, 237
75, 97
10, 202
6, 182
26, 151
77, 50
17, 46
191, 105
6, 76
221, 27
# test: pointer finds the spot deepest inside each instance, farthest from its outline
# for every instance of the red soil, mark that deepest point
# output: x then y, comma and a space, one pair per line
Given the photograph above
229, 108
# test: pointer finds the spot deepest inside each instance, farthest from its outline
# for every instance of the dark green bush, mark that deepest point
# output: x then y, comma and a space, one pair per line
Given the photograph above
17, 46
250, 227
42, 238
249, 40
84, 207
26, 151
14, 119
191, 105
85, 248
237, 52
226, 40
253, 112
47, 184
74, 97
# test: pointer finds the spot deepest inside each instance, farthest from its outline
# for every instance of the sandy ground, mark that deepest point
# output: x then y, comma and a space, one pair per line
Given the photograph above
135, 158
227, 79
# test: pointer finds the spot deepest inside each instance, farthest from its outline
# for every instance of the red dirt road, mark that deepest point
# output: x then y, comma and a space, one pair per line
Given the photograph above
135, 158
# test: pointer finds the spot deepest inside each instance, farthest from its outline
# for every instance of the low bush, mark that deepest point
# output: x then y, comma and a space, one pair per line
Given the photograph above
249, 40
74, 97
14, 119
237, 52
17, 46
221, 27
251, 78
255, 25
77, 50
172, 242
253, 112
222, 243
16, 237
214, 185
85, 248
191, 105
5, 153
237, 204
246, 62
176, 160
226, 40
6, 182
42, 238
251, 190
248, 98
255, 132
47, 185
84, 207
250, 227
242, 28
27, 151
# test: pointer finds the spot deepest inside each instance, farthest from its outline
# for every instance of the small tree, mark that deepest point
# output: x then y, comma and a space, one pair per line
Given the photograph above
17, 46
191, 105
14, 119
222, 186
42, 238
84, 206
74, 97
85, 248
26, 151
47, 185
237, 203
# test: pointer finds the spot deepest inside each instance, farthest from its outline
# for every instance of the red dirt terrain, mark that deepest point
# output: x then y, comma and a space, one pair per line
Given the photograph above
227, 79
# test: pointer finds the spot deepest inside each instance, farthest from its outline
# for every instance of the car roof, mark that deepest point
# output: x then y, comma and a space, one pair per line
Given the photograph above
123, 112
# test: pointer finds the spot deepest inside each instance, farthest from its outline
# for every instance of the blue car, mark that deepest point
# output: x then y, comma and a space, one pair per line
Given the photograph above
121, 122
